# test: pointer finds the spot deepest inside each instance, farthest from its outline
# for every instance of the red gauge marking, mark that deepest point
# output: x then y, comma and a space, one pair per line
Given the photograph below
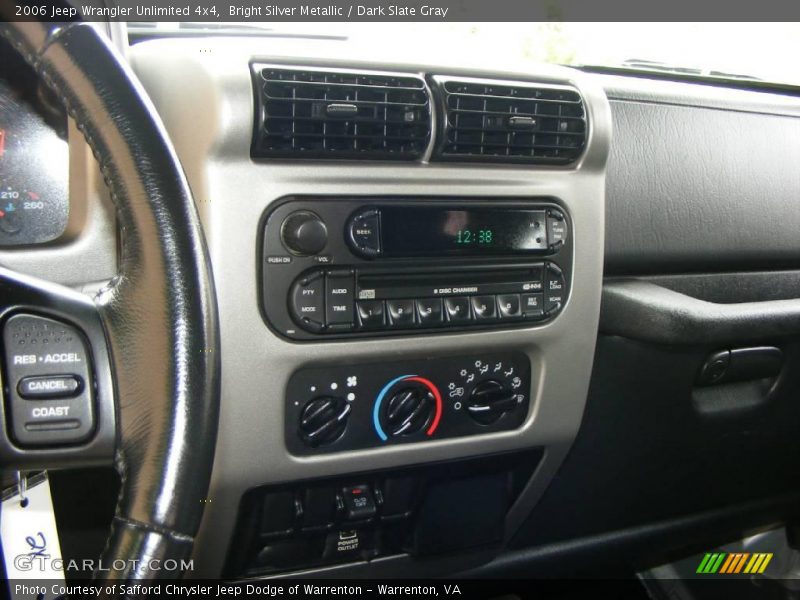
2, 142
33, 195
437, 396
2, 214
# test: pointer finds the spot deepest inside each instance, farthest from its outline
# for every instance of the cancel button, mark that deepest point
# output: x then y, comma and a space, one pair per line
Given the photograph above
49, 386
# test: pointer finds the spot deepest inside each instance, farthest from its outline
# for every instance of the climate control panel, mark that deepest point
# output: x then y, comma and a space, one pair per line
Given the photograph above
332, 409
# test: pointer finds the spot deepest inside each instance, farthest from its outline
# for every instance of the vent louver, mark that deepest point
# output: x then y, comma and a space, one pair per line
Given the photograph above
514, 122
334, 114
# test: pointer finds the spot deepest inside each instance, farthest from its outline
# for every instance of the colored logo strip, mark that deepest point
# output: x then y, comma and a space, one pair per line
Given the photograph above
734, 563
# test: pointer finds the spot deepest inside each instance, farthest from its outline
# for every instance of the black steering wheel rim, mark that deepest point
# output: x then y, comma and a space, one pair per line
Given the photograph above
159, 314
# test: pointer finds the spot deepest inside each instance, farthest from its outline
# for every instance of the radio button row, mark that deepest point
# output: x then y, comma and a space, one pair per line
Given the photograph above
324, 301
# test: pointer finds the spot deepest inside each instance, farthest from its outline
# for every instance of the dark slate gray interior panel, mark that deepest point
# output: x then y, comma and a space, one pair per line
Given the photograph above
693, 188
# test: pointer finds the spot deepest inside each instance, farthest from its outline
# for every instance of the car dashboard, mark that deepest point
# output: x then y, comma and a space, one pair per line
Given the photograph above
441, 347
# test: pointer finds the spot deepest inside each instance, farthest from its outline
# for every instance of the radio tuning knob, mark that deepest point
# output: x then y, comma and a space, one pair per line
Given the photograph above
303, 233
489, 401
323, 420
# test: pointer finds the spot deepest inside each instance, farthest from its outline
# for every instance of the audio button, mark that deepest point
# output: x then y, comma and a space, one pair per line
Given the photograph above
339, 298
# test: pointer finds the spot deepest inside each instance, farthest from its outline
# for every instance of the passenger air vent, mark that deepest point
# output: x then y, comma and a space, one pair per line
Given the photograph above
337, 114
518, 122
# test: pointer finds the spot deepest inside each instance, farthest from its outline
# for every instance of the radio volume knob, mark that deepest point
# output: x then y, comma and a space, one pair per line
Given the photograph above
303, 233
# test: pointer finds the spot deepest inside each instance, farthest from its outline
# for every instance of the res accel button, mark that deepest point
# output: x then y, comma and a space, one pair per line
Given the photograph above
49, 386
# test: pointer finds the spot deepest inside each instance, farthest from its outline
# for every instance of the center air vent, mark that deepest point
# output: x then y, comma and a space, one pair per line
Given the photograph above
336, 114
516, 122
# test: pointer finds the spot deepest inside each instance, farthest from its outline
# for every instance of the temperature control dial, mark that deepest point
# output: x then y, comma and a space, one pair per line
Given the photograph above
408, 411
405, 406
489, 401
323, 420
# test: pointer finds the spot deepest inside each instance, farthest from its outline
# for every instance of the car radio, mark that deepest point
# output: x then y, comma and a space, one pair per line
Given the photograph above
346, 267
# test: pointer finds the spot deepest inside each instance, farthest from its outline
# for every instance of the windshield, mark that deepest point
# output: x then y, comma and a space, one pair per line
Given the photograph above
756, 51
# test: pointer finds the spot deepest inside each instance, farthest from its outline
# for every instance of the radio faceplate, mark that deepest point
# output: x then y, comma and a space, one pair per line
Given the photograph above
362, 267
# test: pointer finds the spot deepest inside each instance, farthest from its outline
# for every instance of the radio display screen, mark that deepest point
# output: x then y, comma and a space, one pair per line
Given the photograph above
431, 231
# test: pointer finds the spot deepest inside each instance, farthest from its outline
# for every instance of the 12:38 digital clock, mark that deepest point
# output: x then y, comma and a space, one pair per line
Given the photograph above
466, 236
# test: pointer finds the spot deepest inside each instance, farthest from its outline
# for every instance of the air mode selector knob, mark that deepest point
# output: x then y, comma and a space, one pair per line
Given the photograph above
409, 410
304, 233
323, 420
489, 401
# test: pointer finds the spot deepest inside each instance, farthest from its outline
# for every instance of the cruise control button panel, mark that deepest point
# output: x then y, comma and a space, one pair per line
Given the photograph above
48, 382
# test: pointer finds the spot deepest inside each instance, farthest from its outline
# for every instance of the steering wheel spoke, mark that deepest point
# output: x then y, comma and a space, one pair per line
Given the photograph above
58, 396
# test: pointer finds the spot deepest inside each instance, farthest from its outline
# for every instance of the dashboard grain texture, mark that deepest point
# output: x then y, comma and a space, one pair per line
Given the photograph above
701, 188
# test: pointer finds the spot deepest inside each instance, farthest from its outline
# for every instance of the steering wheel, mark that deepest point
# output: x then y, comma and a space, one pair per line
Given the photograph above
152, 332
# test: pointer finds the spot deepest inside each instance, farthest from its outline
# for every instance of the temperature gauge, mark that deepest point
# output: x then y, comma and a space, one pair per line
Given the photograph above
34, 173
22, 210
